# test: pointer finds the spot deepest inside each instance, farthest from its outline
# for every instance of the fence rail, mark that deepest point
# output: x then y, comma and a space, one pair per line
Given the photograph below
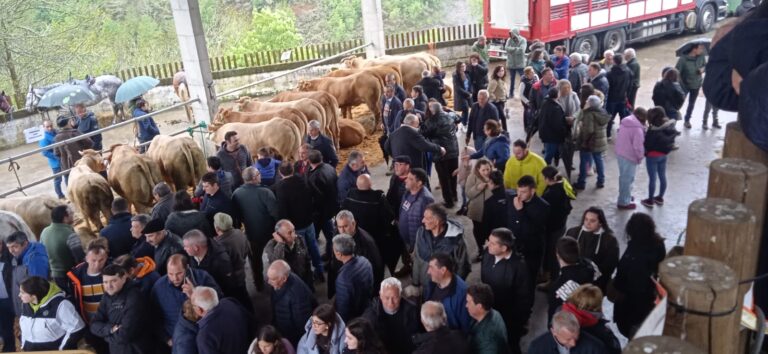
308, 53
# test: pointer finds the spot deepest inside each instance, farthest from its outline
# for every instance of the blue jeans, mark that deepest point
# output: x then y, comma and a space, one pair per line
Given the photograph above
479, 142
6, 324
57, 182
657, 166
512, 76
627, 170
586, 158
550, 151
308, 233
613, 108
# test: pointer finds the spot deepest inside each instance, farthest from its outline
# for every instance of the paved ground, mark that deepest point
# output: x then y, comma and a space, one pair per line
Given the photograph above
687, 171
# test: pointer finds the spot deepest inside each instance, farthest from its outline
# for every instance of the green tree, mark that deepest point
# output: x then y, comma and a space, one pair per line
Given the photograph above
270, 30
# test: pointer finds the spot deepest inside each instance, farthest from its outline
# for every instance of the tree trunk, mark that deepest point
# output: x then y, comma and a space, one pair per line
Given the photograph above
18, 95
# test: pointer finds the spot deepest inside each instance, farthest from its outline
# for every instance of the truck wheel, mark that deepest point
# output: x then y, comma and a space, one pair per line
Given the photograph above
614, 40
706, 18
586, 45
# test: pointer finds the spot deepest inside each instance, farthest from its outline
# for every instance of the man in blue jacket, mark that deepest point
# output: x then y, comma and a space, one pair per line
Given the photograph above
354, 284
292, 301
391, 107
449, 289
348, 177
85, 122
321, 143
53, 161
562, 63
31, 260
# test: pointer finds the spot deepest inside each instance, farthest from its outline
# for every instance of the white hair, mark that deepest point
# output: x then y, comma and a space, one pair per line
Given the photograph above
391, 282
408, 101
205, 298
344, 244
222, 221
281, 267
314, 124
346, 214
280, 223
196, 237
594, 101
630, 52
433, 315
482, 92
575, 57
410, 119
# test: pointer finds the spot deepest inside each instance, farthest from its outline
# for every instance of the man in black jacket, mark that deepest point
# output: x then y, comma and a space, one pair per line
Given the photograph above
321, 143
440, 129
365, 246
631, 58
506, 273
165, 243
322, 181
215, 200
394, 318
161, 192
553, 127
431, 85
234, 157
294, 203
619, 81
292, 301
482, 110
478, 74
574, 271
439, 338
528, 221
407, 140
121, 318
286, 245
495, 207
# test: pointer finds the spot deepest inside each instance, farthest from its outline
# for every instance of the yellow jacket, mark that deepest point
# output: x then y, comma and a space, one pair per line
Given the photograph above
531, 165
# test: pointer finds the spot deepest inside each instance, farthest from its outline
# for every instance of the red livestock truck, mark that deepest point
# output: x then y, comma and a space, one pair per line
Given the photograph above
593, 26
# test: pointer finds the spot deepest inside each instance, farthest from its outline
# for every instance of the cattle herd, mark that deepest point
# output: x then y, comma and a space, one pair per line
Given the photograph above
280, 123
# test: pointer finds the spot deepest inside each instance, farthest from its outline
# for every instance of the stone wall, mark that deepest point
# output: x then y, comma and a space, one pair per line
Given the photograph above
12, 133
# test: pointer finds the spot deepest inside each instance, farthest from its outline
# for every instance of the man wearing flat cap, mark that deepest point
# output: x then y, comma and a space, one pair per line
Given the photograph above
165, 243
69, 153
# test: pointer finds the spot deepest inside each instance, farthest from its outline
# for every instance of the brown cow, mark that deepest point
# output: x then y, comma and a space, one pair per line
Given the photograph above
410, 68
35, 210
352, 133
278, 133
227, 115
312, 109
329, 103
88, 190
381, 71
181, 161
350, 91
133, 176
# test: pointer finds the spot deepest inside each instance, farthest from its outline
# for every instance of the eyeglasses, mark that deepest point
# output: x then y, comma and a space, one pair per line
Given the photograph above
318, 323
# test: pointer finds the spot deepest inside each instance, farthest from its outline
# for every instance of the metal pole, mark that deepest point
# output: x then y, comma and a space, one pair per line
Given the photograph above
292, 71
95, 132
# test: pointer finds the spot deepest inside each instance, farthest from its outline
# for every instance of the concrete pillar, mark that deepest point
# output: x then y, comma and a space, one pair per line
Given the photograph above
373, 28
194, 55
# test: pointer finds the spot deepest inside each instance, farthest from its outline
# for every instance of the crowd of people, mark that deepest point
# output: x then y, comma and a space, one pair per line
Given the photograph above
395, 262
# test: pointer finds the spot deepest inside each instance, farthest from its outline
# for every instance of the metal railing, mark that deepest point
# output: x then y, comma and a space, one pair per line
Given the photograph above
13, 165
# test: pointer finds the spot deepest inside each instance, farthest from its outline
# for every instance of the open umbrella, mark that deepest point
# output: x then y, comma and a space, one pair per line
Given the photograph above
66, 94
687, 46
134, 88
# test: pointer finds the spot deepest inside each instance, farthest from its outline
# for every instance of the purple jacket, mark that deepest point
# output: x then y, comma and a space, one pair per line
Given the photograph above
630, 138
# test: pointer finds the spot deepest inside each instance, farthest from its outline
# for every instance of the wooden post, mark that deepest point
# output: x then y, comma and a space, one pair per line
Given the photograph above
660, 345
723, 230
702, 303
737, 145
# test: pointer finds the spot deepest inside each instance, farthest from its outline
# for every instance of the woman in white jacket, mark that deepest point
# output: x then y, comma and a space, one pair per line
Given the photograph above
48, 320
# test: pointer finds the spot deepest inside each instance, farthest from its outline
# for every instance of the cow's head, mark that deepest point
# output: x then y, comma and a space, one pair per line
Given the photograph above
306, 85
92, 159
222, 117
352, 62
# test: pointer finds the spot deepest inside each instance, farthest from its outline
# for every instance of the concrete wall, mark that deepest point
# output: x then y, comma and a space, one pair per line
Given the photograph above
12, 133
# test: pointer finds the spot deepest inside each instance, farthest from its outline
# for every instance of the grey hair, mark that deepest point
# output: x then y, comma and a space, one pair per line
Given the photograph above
205, 298
436, 107
344, 244
222, 221
346, 214
391, 282
567, 320
282, 222
314, 124
250, 174
594, 102
281, 267
483, 92
18, 237
354, 157
196, 236
409, 101
161, 189
575, 57
142, 219
433, 315
410, 119
425, 73
630, 52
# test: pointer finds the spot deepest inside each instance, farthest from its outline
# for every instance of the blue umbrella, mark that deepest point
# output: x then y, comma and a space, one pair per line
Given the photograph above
66, 94
134, 88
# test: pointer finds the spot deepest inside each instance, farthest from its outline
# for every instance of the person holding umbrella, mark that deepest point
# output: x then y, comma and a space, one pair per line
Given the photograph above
69, 153
147, 127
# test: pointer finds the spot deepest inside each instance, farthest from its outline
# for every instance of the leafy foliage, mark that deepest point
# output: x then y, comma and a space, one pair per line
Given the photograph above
270, 29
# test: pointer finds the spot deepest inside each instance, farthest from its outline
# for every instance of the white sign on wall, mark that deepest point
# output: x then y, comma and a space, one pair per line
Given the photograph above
34, 134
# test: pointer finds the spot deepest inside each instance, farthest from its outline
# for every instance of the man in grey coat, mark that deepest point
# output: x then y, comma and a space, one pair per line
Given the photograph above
516, 60
578, 73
